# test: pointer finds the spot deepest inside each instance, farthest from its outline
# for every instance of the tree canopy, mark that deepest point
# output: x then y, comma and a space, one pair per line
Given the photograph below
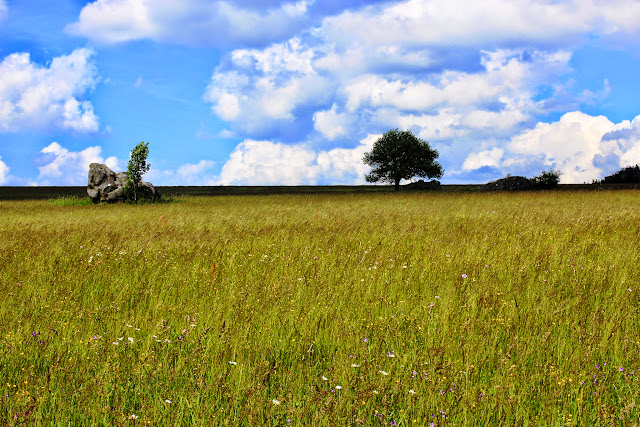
399, 155
137, 167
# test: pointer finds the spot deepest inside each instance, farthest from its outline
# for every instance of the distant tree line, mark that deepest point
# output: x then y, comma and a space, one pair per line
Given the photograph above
628, 175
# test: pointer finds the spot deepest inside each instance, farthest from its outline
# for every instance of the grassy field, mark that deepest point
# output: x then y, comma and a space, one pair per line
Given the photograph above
40, 193
323, 309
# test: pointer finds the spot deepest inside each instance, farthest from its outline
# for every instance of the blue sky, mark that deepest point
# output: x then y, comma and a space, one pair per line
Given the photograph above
292, 93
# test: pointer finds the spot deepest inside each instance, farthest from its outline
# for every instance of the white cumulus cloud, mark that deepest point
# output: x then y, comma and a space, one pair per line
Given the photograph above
460, 22
64, 167
191, 22
4, 172
263, 86
332, 124
273, 163
37, 97
483, 158
580, 146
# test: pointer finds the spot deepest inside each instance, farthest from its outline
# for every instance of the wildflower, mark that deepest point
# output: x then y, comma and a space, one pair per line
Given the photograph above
275, 402
133, 417
375, 391
413, 374
431, 305
442, 392
168, 401
338, 387
233, 363
353, 365
130, 339
115, 343
412, 392
621, 369
324, 378
464, 276
384, 373
364, 339
391, 354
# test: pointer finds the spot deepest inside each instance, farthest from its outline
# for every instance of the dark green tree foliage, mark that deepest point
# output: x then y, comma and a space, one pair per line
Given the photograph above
628, 175
401, 155
137, 167
546, 180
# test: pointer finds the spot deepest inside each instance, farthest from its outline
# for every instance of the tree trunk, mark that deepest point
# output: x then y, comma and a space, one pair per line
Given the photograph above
397, 186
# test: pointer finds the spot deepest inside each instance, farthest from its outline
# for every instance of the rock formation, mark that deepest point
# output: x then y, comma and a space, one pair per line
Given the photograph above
107, 186
422, 185
510, 183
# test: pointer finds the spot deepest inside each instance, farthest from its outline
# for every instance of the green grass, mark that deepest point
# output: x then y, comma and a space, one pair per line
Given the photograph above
451, 308
71, 201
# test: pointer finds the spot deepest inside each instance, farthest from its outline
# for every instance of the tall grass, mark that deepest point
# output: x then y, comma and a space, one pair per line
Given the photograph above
373, 309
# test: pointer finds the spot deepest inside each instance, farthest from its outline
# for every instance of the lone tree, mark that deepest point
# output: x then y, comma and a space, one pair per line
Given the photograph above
401, 155
137, 167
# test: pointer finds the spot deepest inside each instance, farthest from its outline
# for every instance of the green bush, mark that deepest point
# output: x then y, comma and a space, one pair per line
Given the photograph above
546, 180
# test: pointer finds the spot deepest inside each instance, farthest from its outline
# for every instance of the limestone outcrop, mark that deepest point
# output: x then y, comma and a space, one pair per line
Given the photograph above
423, 185
106, 186
510, 183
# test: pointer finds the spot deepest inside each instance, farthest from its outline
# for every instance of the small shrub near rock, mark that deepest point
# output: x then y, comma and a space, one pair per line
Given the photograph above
546, 180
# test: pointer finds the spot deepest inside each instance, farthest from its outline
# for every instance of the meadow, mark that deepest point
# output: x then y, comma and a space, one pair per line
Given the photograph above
323, 309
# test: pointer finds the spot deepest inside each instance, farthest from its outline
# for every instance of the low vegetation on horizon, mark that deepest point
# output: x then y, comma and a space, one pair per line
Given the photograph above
325, 309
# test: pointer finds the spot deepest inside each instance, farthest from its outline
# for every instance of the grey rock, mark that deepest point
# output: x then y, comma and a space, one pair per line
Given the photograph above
106, 186
510, 183
422, 185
